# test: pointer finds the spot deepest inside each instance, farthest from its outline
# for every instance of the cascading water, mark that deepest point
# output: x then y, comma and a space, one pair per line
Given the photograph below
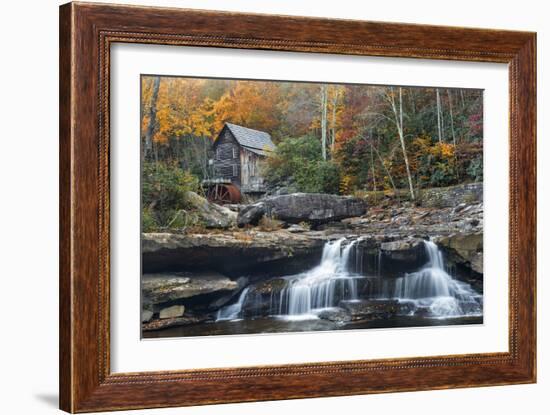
319, 288
338, 278
233, 311
322, 287
434, 289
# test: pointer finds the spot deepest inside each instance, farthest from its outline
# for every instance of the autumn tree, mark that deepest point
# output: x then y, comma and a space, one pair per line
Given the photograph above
248, 103
398, 119
152, 116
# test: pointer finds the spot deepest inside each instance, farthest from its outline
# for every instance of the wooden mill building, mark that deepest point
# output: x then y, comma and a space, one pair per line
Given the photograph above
237, 153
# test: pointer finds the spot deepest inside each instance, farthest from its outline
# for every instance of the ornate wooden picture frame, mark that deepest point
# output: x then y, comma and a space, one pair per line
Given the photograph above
87, 32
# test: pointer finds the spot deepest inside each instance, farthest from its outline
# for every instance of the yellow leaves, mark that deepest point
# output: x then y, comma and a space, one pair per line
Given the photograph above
422, 142
184, 108
181, 108
346, 184
146, 91
252, 104
424, 145
159, 137
200, 107
444, 150
335, 109
447, 150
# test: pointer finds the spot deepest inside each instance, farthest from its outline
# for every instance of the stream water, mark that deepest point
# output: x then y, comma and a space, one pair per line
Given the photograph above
428, 296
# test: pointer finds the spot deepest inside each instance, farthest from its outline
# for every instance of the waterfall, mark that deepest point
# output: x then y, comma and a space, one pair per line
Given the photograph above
233, 311
324, 286
434, 289
430, 291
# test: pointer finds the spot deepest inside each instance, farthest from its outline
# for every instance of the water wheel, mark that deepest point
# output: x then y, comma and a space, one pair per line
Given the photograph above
222, 193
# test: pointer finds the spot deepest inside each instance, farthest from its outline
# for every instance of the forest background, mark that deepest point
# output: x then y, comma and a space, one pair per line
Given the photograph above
331, 138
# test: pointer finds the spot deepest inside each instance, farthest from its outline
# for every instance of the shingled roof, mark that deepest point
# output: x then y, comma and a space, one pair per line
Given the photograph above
251, 139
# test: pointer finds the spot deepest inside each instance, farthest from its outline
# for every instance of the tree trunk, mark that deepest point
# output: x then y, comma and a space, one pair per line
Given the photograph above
412, 99
384, 167
402, 138
333, 123
438, 105
373, 170
150, 132
324, 102
449, 96
451, 114
398, 115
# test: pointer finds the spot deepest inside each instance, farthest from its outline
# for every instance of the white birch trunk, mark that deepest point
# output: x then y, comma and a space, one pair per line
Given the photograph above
324, 101
451, 114
333, 123
398, 115
438, 104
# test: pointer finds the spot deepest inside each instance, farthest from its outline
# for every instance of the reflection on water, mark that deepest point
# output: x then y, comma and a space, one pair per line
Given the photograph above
280, 325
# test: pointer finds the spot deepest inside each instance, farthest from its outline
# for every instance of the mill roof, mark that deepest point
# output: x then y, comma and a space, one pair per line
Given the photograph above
252, 139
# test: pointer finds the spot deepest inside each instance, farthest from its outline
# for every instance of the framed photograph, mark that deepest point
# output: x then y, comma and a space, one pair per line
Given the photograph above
260, 207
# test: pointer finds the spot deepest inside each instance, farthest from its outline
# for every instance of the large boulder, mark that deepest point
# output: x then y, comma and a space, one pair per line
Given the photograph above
210, 214
464, 248
251, 214
314, 208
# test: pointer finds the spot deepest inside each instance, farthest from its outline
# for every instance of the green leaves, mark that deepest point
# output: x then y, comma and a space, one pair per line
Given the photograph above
297, 162
164, 185
475, 169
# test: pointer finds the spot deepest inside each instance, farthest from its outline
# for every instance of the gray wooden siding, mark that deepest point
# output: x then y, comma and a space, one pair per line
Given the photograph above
224, 162
251, 179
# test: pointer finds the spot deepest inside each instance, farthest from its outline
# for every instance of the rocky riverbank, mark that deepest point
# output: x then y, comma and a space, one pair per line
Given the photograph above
189, 277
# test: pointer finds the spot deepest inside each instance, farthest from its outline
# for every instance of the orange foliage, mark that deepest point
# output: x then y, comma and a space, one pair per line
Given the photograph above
181, 108
253, 104
445, 150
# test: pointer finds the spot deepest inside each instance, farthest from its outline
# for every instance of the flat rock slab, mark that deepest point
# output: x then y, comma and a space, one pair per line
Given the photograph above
228, 252
166, 287
173, 322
